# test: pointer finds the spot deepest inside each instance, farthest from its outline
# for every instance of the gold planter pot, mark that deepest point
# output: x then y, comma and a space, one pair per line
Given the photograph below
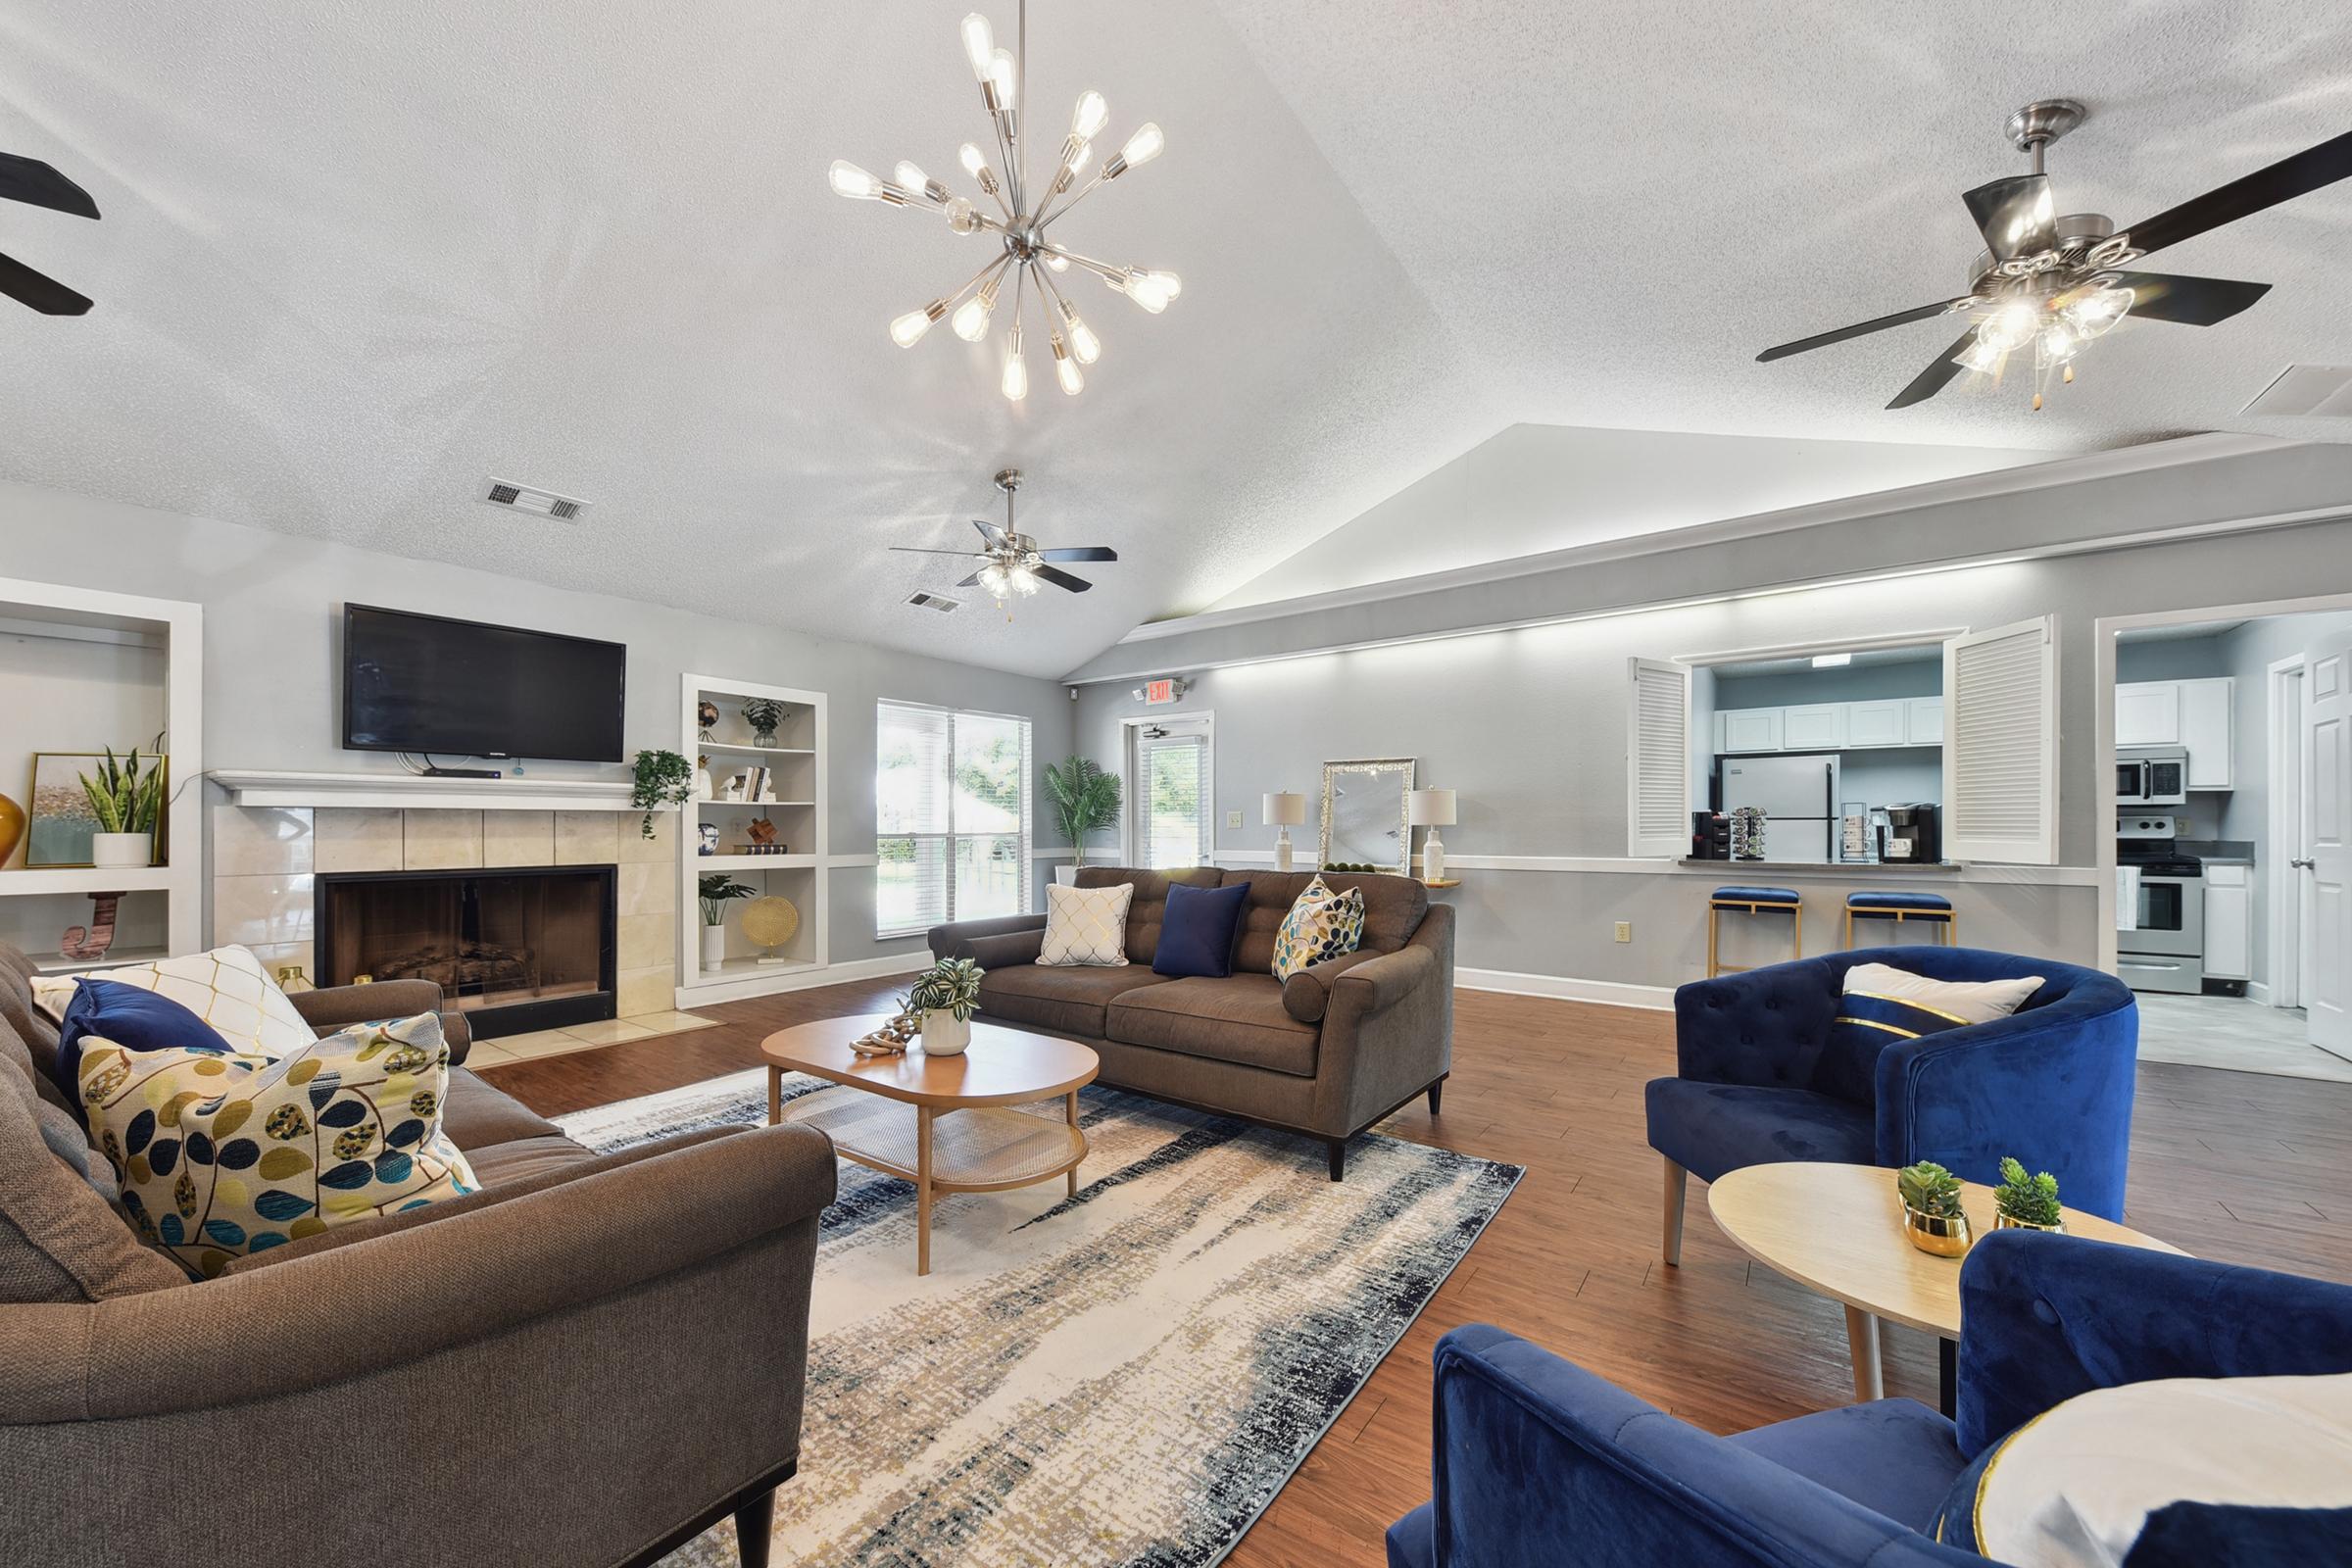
1935, 1234
2002, 1222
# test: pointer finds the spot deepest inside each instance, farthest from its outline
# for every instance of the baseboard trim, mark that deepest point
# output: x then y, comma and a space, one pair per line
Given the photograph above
832, 974
2258, 990
1567, 988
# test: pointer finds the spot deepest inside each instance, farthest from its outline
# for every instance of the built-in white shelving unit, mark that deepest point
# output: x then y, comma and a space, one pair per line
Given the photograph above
82, 669
796, 769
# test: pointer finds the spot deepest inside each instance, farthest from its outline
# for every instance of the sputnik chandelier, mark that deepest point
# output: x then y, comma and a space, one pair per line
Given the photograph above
1032, 259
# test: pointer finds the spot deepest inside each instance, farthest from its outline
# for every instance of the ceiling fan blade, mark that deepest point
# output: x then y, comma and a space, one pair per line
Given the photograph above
2189, 300
2017, 215
918, 550
1936, 376
988, 530
1821, 340
29, 179
973, 581
44, 294
1079, 553
1063, 579
2284, 180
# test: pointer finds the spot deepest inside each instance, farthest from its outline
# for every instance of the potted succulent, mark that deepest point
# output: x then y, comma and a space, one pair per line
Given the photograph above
127, 803
2026, 1204
1932, 1213
946, 995
662, 779
763, 714
1086, 799
716, 892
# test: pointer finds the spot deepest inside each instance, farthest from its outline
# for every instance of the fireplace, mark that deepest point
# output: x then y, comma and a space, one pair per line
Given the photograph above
516, 949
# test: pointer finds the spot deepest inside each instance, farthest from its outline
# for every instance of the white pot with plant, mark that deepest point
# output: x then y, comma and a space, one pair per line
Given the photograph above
1086, 799
126, 804
946, 995
716, 892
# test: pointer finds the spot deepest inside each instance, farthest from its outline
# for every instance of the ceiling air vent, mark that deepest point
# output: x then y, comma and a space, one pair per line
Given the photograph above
522, 498
940, 603
2323, 391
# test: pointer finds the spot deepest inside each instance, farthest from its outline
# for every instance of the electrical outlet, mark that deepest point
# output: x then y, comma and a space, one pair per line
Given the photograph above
1233, 819
1624, 930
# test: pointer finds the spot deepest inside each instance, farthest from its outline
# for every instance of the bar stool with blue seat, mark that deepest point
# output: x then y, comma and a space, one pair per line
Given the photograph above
1930, 909
1744, 900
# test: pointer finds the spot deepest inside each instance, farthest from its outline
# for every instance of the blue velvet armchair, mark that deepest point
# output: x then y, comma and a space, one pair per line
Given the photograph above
1761, 1076
1539, 1463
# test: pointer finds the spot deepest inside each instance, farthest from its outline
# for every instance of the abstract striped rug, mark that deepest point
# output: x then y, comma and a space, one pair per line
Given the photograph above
1125, 1377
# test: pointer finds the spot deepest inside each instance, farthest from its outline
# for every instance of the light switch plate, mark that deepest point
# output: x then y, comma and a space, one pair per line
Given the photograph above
1233, 819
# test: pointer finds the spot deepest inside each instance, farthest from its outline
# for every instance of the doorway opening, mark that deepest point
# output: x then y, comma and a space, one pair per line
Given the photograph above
1171, 792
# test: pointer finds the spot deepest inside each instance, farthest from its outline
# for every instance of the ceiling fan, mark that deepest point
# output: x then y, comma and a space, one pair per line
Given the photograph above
1011, 562
2053, 283
29, 179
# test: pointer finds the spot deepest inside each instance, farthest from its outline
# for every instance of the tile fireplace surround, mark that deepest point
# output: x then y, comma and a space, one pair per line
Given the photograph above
263, 858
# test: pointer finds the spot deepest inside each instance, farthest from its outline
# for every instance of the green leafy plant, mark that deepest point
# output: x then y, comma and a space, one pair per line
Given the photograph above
717, 890
2028, 1199
1929, 1189
1086, 799
763, 714
123, 799
951, 985
663, 778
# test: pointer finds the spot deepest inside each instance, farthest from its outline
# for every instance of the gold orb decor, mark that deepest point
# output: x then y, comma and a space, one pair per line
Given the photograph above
768, 923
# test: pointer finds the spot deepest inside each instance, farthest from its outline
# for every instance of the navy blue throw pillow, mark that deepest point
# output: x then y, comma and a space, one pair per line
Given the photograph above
1197, 932
133, 1018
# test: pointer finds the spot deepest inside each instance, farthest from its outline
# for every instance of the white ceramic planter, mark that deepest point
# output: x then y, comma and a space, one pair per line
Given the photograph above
714, 946
115, 851
945, 1034
1066, 875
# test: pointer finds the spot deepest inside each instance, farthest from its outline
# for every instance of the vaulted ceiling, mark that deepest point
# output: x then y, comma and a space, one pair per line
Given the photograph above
357, 259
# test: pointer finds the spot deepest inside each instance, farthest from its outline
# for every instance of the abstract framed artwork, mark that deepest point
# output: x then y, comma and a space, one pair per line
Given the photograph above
62, 822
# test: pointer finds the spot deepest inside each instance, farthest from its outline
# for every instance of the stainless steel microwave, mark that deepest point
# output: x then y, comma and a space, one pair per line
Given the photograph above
2151, 775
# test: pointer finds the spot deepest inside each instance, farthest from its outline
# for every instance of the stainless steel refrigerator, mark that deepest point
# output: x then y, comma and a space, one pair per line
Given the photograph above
1799, 796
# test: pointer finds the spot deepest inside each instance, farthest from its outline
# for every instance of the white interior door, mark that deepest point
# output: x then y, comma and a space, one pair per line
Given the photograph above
2326, 867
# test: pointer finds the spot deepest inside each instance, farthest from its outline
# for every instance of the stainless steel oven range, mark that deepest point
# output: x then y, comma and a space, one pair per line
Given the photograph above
2166, 948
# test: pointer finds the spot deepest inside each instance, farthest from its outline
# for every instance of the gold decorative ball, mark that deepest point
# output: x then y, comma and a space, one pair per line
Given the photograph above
770, 922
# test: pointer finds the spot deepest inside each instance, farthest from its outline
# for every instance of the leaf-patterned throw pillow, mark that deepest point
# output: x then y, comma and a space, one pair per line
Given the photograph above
1322, 924
224, 1153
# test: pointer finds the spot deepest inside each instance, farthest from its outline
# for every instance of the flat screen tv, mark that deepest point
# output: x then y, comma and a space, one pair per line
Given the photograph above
461, 688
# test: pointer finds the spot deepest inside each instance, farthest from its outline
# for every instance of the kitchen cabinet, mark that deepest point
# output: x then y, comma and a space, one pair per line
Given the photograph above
1751, 729
1813, 727
1922, 720
1879, 723
2192, 715
2147, 714
2229, 922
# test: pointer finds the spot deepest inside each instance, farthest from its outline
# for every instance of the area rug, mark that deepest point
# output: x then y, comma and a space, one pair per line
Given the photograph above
1124, 1377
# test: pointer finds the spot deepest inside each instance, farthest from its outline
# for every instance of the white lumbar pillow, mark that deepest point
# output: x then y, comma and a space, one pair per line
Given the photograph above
1967, 1000
1086, 926
228, 988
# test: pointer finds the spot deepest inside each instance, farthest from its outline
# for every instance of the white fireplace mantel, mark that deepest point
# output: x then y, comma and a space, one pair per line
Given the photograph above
409, 792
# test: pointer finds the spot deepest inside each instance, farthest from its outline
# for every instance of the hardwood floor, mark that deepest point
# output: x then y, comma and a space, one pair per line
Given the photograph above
2226, 1166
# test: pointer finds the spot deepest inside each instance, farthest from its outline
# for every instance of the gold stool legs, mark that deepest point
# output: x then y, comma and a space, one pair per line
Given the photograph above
1715, 965
1947, 920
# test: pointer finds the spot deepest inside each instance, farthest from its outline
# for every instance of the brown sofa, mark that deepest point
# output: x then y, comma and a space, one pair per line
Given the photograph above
589, 1361
1328, 1053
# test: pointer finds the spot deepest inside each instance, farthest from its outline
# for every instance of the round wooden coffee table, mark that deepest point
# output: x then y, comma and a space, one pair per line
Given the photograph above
962, 1137
1839, 1230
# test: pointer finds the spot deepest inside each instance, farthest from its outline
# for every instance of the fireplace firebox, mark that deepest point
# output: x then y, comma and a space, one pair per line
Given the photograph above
516, 948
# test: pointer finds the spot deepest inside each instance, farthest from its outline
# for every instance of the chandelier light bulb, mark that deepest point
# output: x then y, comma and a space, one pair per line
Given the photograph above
1024, 580
1058, 261
1015, 386
854, 182
909, 330
970, 320
1085, 347
1005, 75
963, 217
914, 182
1144, 145
973, 164
1091, 116
2012, 326
1152, 290
979, 44
1065, 369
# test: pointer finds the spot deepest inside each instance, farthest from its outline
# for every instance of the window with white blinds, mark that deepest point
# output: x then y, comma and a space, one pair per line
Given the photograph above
2000, 750
1657, 758
1175, 797
951, 816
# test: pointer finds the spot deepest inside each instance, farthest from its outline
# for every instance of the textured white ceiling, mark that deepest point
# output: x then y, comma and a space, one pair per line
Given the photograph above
357, 257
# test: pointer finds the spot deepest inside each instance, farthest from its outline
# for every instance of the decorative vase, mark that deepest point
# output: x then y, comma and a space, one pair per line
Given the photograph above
1943, 1236
11, 827
1066, 875
2004, 1222
714, 946
120, 850
945, 1034
1432, 857
764, 737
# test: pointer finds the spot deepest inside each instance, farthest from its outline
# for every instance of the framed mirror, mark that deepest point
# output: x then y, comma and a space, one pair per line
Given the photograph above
1365, 809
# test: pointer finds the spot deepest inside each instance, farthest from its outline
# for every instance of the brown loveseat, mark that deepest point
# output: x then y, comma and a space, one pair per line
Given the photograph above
1327, 1054
589, 1361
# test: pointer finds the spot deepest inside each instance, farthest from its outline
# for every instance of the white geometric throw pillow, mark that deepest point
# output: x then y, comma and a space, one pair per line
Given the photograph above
1086, 926
228, 988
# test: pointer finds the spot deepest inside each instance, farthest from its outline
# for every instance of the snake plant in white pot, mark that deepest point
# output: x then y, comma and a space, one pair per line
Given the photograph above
126, 804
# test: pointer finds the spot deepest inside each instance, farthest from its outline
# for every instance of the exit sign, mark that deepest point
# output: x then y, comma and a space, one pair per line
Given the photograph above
1160, 692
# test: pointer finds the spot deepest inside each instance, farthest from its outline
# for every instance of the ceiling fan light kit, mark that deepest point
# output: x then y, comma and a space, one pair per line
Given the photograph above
2055, 284
1024, 213
1012, 564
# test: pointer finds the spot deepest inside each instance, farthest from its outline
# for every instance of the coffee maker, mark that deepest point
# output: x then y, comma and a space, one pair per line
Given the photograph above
1914, 835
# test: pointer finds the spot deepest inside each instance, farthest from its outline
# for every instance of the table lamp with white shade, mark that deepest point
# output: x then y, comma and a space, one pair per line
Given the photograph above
1433, 810
1286, 809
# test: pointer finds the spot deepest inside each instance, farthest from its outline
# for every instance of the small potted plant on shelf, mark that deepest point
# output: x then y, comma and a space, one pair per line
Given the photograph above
946, 995
716, 892
126, 804
663, 778
1086, 799
1932, 1213
763, 714
2025, 1203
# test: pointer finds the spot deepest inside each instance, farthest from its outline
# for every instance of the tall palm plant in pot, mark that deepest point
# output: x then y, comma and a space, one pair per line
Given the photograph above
1086, 799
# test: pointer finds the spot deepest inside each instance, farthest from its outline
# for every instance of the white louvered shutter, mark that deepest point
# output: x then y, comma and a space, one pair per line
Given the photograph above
1657, 758
2000, 745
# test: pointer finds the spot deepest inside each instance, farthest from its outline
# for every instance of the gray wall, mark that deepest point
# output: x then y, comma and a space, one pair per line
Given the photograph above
2171, 658
271, 674
1852, 683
